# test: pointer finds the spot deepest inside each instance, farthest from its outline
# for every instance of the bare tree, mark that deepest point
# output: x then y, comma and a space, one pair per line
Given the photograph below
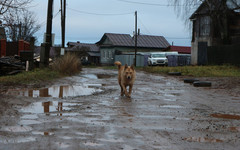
218, 11
20, 25
6, 5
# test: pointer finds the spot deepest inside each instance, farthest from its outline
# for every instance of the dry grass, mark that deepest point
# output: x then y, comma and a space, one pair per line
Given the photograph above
69, 64
199, 71
35, 76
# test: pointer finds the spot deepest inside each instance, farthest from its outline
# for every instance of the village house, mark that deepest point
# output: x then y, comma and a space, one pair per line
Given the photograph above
180, 49
89, 53
112, 44
205, 33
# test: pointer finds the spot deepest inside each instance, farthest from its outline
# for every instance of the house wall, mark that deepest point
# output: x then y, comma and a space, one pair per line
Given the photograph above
194, 49
107, 55
201, 33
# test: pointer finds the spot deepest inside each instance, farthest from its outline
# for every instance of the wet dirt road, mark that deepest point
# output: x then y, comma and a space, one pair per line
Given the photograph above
87, 112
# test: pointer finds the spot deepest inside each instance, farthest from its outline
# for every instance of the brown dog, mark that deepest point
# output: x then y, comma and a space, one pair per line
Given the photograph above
126, 77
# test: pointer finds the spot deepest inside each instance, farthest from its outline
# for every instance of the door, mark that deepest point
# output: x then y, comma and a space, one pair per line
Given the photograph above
202, 53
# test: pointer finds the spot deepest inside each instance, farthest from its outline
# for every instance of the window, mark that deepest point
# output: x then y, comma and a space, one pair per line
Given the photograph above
204, 26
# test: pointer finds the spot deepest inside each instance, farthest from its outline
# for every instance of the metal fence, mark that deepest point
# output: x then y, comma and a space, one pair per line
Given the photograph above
129, 59
179, 60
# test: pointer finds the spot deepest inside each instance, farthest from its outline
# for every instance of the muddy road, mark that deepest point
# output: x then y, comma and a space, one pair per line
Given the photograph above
86, 112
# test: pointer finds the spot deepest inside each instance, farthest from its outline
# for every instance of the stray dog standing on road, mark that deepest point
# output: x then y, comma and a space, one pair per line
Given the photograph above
126, 77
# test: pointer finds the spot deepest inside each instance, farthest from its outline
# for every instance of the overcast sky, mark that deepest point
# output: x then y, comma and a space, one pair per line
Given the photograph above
88, 20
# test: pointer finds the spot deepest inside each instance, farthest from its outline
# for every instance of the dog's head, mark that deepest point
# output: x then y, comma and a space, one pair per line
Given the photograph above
129, 71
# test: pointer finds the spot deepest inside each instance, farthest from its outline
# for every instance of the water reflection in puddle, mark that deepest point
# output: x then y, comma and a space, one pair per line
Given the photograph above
58, 91
46, 107
171, 106
42, 133
97, 76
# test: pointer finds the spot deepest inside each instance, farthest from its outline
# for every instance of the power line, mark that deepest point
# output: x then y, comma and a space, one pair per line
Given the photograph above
44, 22
183, 38
99, 14
144, 3
141, 22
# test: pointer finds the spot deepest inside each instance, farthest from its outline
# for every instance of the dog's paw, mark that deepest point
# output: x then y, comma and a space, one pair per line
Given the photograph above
128, 95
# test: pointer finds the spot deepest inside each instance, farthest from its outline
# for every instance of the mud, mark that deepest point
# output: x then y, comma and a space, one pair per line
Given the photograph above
87, 112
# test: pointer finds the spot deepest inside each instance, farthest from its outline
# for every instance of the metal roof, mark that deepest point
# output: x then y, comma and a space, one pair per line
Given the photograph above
181, 49
78, 45
94, 54
125, 40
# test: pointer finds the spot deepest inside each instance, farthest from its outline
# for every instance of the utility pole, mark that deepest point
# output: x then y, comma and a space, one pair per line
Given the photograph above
63, 20
44, 56
135, 59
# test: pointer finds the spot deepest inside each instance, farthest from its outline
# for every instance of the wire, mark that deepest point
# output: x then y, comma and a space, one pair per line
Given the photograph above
183, 38
99, 14
144, 26
151, 4
44, 22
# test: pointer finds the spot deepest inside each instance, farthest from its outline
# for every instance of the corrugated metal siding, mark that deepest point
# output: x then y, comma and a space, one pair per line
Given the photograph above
179, 60
129, 60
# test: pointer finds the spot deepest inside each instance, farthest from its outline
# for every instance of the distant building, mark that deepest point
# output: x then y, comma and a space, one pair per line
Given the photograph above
204, 33
112, 44
180, 49
88, 52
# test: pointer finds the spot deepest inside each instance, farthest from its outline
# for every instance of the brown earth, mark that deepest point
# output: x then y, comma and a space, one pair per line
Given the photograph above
87, 112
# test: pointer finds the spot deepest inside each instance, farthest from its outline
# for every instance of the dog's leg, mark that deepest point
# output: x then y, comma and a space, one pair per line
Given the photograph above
130, 90
122, 92
125, 90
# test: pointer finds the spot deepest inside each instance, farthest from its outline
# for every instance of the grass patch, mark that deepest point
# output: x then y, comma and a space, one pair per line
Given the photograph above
69, 64
198, 71
35, 76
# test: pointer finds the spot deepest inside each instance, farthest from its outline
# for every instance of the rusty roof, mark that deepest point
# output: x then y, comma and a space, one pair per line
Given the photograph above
181, 49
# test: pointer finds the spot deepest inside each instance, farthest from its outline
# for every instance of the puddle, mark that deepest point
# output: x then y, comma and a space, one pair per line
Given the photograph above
17, 140
162, 117
104, 76
112, 140
203, 140
42, 133
62, 145
226, 116
29, 122
17, 129
46, 107
97, 76
92, 144
171, 106
56, 91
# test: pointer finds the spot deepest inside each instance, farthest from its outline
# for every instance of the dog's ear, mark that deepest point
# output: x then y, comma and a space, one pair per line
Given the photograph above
132, 66
126, 66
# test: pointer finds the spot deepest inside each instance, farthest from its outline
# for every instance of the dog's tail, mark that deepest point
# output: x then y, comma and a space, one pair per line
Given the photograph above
118, 63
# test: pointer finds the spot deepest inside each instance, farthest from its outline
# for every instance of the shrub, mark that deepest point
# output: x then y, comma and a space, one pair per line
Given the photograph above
69, 64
